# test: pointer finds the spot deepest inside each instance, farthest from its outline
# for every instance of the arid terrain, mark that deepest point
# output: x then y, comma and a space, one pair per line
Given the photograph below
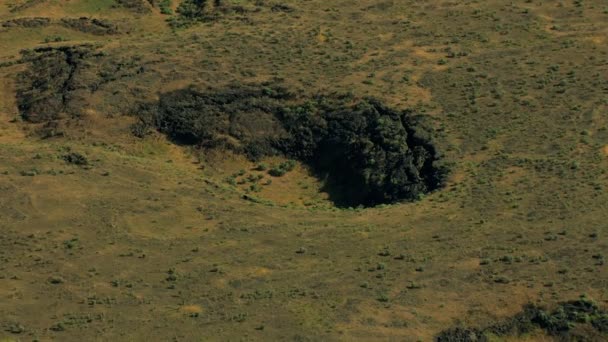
283, 170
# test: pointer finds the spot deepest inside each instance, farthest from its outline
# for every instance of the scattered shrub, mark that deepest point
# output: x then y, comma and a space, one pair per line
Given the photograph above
261, 167
27, 22
25, 5
137, 6
282, 169
190, 12
75, 158
91, 25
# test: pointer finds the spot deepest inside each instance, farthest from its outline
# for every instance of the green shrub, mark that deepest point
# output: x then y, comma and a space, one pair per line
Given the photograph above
277, 171
282, 168
261, 167
165, 7
75, 158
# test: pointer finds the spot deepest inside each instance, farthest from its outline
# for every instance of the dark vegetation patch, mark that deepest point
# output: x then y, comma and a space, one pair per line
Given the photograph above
76, 158
282, 8
82, 24
366, 152
165, 6
27, 22
238, 118
91, 25
25, 5
53, 85
578, 320
190, 12
136, 6
282, 169
60, 82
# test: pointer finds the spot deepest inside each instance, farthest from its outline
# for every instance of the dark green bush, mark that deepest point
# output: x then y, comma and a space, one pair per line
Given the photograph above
283, 168
277, 172
75, 159
165, 7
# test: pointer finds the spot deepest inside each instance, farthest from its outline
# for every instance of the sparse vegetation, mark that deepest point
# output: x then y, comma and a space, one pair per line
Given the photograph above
136, 6
182, 234
91, 25
166, 7
282, 169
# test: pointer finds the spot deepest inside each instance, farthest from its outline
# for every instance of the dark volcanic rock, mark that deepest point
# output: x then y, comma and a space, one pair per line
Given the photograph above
368, 153
54, 84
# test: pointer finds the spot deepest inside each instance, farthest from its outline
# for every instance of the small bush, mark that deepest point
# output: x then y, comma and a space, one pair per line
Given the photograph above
165, 7
277, 172
261, 167
282, 169
75, 159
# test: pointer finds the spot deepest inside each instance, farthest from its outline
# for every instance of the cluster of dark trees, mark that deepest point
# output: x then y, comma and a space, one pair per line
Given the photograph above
367, 152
